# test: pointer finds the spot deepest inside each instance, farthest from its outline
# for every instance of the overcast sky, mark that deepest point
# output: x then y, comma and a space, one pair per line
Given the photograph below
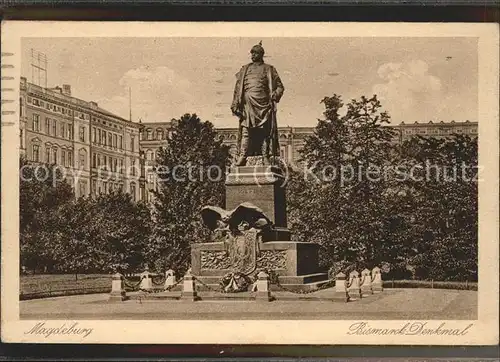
417, 79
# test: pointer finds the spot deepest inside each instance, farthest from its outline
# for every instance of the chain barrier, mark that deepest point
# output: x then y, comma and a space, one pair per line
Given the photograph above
133, 287
162, 278
328, 284
208, 286
169, 288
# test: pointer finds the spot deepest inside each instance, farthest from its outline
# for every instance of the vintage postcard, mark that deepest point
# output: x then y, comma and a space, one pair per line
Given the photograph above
250, 183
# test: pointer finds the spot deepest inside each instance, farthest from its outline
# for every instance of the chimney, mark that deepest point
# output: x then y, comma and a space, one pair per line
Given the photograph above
66, 90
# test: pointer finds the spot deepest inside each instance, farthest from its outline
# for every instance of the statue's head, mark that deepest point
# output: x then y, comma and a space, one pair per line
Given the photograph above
257, 52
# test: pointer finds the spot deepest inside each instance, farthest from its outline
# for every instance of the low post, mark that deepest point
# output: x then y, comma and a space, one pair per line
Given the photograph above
354, 291
341, 287
366, 283
169, 279
377, 280
189, 288
118, 293
263, 292
146, 280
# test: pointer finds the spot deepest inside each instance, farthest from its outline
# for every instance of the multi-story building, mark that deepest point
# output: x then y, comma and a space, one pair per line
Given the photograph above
97, 150
152, 137
292, 139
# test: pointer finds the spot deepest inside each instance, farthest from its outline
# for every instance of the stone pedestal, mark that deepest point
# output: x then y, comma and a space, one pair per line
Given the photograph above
296, 263
118, 293
263, 186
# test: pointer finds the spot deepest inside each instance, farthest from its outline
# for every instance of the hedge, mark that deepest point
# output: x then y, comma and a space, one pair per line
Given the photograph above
429, 284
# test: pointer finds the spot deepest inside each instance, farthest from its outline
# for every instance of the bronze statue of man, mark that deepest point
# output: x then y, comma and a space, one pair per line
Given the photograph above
258, 89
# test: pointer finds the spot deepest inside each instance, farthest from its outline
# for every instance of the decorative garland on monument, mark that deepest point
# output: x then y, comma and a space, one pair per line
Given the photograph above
235, 283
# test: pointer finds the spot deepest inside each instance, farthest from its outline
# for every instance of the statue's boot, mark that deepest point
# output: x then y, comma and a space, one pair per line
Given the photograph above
243, 151
266, 161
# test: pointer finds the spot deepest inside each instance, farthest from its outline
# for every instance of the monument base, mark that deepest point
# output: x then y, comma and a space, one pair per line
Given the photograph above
295, 263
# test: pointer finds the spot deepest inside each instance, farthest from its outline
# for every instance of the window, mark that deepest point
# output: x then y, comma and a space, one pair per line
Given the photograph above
82, 158
132, 143
54, 127
110, 139
36, 122
150, 177
105, 186
94, 135
47, 154
121, 165
82, 188
21, 138
94, 186
54, 155
104, 138
105, 163
36, 153
82, 133
115, 141
149, 155
132, 164
94, 160
47, 125
141, 135
70, 158
63, 157
99, 135
159, 134
120, 142
110, 163
63, 130
149, 134
21, 107
115, 162
70, 131
132, 190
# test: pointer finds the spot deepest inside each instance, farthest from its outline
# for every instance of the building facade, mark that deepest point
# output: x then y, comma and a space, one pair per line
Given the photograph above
292, 139
96, 150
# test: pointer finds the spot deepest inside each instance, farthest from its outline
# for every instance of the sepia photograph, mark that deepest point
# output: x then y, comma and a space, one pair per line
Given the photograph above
250, 179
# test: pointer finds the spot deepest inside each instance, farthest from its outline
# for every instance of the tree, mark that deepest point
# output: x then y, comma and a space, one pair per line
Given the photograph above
341, 205
191, 174
106, 234
42, 192
444, 201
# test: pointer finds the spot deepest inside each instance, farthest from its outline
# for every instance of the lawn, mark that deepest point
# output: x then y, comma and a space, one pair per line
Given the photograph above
47, 285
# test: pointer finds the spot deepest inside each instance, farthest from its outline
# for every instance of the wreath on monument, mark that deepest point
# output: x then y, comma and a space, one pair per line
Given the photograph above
235, 283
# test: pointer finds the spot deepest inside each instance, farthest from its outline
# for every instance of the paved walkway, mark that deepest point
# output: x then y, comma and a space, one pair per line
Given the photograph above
390, 304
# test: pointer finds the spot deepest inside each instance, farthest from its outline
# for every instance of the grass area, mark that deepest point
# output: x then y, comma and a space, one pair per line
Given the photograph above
51, 285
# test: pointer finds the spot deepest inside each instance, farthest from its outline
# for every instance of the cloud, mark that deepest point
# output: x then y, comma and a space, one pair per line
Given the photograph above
409, 91
157, 94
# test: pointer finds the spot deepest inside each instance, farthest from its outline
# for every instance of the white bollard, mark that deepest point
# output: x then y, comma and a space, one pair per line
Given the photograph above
146, 280
263, 292
117, 288
354, 291
366, 283
377, 280
189, 288
340, 287
169, 278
